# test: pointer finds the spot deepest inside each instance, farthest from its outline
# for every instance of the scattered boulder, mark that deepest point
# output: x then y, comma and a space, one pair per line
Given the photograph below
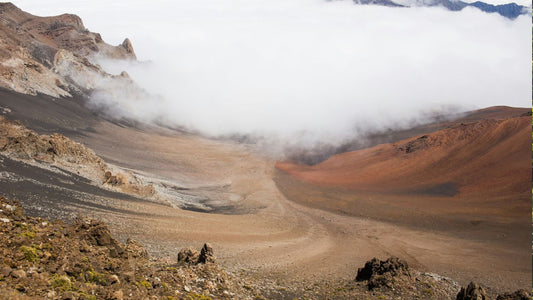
18, 274
5, 271
188, 255
207, 254
518, 295
472, 292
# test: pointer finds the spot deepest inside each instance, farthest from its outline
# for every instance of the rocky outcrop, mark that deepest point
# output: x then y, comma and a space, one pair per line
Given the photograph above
472, 292
18, 142
52, 55
23, 144
380, 273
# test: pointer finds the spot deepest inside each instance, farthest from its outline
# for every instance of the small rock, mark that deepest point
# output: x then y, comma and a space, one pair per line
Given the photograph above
5, 220
136, 249
113, 279
186, 288
18, 274
472, 292
5, 271
69, 296
117, 295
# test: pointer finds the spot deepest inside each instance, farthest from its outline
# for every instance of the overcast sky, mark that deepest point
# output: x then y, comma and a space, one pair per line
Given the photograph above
309, 68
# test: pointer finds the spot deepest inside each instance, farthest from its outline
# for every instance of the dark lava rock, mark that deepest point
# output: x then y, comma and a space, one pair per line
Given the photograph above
518, 295
382, 273
207, 254
392, 265
472, 292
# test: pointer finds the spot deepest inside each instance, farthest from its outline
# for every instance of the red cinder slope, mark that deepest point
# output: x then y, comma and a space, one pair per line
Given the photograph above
490, 157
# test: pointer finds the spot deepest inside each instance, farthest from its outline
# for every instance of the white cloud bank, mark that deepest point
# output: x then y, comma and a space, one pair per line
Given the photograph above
310, 69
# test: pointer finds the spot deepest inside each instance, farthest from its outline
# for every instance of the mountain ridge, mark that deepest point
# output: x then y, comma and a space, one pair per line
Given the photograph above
508, 10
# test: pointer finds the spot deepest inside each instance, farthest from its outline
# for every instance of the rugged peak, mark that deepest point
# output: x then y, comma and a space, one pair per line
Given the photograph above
52, 55
129, 47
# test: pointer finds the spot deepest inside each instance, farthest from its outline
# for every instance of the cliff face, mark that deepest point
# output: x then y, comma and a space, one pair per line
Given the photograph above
51, 55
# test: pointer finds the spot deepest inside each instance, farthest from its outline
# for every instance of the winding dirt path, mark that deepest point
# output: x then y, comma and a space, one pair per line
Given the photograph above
271, 235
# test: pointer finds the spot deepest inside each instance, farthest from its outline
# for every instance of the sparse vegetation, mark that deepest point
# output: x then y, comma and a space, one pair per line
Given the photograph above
95, 277
30, 253
62, 283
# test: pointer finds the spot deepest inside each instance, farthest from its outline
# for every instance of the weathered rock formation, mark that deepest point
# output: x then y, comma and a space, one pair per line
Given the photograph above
382, 273
23, 144
52, 55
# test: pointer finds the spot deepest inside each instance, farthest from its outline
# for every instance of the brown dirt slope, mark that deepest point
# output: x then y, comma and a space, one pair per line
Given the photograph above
53, 260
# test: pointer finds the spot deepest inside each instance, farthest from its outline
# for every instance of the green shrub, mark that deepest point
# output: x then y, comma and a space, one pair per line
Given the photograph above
195, 296
30, 253
62, 282
95, 277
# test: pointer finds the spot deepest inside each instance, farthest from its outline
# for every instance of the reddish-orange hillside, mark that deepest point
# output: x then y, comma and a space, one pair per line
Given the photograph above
484, 157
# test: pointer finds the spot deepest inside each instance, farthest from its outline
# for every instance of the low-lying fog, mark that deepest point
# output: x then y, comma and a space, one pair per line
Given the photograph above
305, 71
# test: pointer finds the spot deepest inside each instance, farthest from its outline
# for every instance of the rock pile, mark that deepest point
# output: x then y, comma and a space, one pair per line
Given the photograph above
42, 259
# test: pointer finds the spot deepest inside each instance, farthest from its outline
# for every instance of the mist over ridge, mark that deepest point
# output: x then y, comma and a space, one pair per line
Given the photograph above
306, 71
